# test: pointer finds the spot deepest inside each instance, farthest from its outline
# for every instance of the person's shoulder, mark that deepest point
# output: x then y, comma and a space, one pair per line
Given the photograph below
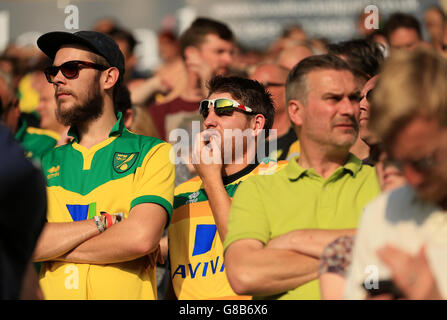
267, 173
43, 133
392, 204
268, 167
58, 152
366, 169
367, 174
189, 192
145, 143
192, 185
361, 171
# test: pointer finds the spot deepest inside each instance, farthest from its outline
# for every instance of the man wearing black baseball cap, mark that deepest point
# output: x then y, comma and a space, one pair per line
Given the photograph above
99, 179
97, 42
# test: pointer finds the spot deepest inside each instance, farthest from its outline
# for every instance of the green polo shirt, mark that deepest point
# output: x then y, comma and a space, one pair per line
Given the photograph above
265, 207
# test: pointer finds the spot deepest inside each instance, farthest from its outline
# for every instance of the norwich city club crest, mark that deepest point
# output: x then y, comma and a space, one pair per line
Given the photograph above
124, 161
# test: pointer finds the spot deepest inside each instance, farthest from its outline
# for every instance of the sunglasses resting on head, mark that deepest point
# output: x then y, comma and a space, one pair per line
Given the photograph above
222, 106
70, 69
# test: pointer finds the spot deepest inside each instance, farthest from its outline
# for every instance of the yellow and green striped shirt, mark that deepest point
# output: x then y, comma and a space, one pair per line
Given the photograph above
195, 248
114, 176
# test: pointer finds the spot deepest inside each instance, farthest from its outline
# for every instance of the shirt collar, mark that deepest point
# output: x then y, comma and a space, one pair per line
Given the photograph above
295, 171
235, 176
353, 165
117, 128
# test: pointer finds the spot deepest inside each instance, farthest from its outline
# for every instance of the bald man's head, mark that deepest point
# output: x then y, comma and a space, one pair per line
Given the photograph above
273, 77
289, 57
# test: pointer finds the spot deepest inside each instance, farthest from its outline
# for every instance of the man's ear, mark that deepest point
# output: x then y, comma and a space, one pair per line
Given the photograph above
111, 76
257, 123
191, 52
295, 109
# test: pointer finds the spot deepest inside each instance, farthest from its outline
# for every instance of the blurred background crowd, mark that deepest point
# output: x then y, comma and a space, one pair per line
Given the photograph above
167, 69
155, 72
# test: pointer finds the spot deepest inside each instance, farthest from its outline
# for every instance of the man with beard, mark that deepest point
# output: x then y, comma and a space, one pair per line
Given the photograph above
104, 176
402, 233
279, 224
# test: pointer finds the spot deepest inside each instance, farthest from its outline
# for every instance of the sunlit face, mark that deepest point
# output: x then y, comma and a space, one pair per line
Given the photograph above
79, 99
129, 59
274, 81
290, 57
330, 116
404, 38
389, 175
364, 107
168, 49
434, 24
230, 129
421, 149
217, 53
47, 107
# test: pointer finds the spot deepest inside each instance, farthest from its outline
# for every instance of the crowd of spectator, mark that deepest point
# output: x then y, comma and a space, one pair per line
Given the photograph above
337, 191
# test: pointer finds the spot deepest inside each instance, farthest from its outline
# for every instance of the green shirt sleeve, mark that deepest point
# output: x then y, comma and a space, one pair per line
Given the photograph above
248, 218
154, 180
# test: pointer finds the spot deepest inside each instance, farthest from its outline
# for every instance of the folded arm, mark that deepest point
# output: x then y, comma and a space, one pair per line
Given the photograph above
254, 269
58, 238
134, 237
311, 242
81, 241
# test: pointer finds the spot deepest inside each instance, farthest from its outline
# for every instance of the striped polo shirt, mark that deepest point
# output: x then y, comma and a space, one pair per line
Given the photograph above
195, 248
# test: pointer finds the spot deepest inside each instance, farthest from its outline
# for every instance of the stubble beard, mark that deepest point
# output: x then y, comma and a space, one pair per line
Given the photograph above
346, 141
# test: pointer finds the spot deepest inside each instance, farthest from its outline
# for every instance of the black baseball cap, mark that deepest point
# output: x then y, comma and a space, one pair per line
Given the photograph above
97, 42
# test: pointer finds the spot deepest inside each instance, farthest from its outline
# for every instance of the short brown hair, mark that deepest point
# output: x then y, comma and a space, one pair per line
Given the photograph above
402, 20
195, 35
96, 58
296, 84
249, 92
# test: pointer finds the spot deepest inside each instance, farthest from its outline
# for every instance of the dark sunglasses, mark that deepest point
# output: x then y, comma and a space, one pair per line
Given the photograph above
222, 106
70, 69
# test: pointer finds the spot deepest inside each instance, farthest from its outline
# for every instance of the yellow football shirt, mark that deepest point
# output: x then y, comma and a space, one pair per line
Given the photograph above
195, 248
114, 176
